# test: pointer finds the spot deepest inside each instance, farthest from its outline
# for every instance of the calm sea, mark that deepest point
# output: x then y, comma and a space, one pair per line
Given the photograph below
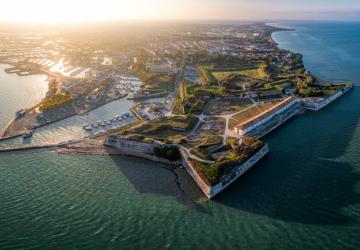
304, 195
18, 92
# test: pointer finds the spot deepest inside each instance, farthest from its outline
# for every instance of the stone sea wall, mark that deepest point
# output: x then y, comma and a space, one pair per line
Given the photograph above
145, 150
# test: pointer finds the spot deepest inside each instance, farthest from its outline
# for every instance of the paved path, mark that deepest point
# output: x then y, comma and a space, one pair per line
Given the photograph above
228, 132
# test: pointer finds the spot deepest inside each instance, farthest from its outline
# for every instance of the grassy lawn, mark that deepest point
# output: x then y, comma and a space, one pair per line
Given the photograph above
178, 110
201, 150
167, 127
221, 75
212, 173
206, 76
191, 98
208, 172
226, 107
164, 82
191, 89
280, 84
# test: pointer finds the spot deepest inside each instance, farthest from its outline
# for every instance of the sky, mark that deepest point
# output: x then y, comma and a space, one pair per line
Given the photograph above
48, 11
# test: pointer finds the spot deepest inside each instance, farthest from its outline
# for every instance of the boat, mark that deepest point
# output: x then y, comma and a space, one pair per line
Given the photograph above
28, 134
88, 128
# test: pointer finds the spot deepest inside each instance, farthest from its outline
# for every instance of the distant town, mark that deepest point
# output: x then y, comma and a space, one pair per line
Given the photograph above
218, 89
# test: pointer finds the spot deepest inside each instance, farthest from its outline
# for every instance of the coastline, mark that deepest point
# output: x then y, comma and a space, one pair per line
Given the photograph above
277, 29
303, 195
3, 131
207, 189
322, 81
19, 93
20, 133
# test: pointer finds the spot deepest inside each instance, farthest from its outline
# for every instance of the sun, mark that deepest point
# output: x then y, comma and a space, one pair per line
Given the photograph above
69, 11
54, 11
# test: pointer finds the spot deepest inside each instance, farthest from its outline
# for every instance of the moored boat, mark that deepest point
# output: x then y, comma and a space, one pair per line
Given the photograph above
28, 134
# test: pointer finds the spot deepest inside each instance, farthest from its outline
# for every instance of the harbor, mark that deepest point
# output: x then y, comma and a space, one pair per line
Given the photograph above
72, 128
104, 126
31, 118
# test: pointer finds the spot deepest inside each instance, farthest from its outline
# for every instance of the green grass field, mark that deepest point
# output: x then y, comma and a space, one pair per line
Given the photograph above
191, 89
164, 82
226, 107
221, 75
165, 128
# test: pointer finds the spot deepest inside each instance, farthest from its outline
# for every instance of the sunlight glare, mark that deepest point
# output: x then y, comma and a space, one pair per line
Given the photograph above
47, 11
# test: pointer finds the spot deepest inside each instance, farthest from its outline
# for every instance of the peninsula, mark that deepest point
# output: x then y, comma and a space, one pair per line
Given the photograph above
223, 88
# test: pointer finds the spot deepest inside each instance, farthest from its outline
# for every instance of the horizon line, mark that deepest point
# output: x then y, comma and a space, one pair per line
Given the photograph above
174, 20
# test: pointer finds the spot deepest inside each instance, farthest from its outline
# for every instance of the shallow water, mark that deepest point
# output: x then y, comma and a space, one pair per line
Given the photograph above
304, 195
18, 92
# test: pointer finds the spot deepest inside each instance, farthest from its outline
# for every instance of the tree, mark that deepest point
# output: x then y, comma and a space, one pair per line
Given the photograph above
170, 153
263, 70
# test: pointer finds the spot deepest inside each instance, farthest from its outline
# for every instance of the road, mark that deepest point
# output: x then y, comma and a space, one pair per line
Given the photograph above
227, 132
194, 157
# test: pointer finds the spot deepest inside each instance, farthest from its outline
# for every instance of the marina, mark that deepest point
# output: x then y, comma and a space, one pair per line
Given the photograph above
106, 125
72, 128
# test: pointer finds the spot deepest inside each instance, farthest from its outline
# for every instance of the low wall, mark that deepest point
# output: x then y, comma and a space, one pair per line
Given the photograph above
134, 146
206, 189
152, 158
143, 150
